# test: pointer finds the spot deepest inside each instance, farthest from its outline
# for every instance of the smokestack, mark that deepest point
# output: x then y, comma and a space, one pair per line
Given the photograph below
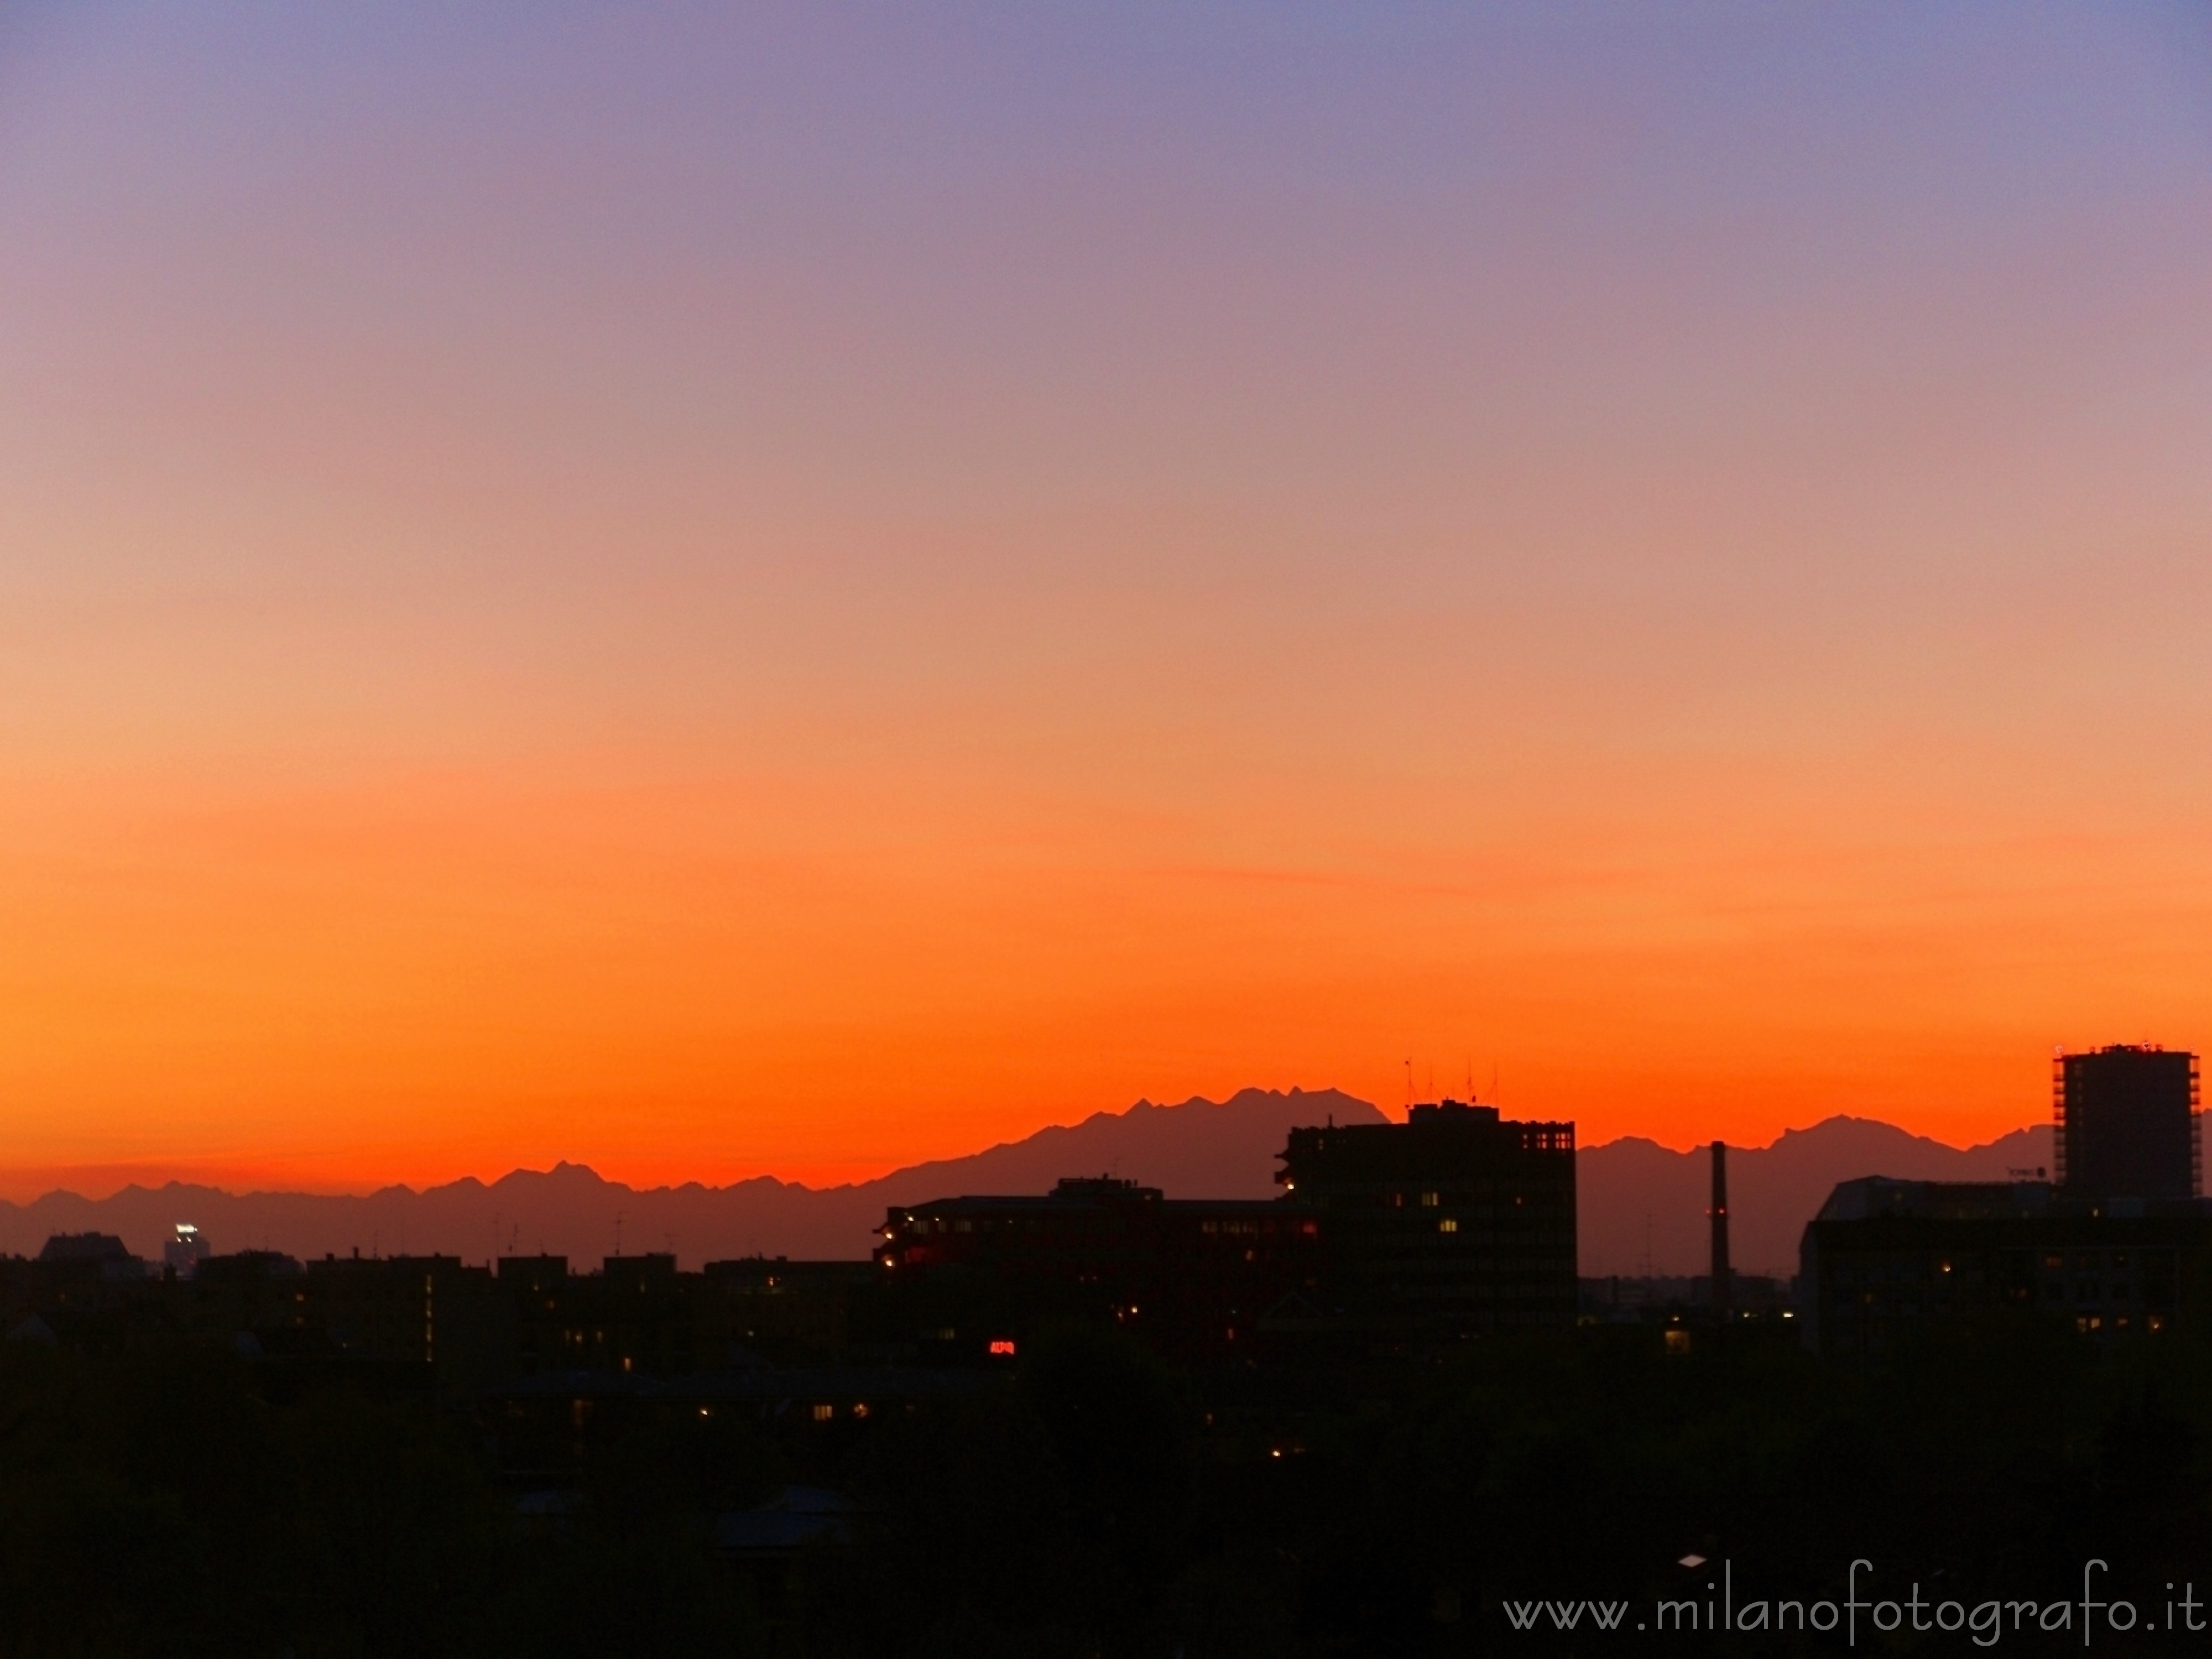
1723, 1280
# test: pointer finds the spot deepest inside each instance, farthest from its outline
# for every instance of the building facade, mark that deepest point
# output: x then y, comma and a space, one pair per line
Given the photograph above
1189, 1276
1454, 1222
1885, 1263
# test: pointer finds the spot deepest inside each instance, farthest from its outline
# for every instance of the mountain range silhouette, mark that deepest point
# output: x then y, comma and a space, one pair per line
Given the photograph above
1642, 1205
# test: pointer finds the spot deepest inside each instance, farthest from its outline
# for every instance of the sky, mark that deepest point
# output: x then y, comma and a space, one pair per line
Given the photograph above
719, 590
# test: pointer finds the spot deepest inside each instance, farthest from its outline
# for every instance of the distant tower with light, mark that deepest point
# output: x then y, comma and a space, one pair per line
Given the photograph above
185, 1249
2127, 1122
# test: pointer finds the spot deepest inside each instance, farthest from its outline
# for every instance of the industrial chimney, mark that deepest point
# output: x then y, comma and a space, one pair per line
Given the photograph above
1723, 1280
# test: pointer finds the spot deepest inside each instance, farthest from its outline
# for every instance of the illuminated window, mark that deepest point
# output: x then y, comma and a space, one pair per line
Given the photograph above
1428, 1201
1678, 1341
823, 1413
1448, 1226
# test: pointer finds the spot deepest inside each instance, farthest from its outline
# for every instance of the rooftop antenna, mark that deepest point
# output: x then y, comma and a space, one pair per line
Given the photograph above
1409, 1080
1494, 1096
617, 1232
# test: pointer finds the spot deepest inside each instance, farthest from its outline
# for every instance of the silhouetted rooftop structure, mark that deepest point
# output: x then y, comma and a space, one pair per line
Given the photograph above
84, 1247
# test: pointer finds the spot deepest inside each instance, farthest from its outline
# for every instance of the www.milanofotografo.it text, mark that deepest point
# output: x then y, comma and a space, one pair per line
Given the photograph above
1864, 1611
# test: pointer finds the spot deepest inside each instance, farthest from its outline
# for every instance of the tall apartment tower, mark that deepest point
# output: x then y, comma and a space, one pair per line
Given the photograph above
2128, 1124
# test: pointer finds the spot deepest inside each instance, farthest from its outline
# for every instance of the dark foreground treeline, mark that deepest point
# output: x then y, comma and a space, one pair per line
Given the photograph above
1096, 1502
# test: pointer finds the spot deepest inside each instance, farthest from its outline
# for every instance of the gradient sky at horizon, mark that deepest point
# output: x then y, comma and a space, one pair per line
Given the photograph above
718, 590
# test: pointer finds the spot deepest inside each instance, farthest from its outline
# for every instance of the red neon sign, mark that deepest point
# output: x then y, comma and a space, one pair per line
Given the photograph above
1004, 1345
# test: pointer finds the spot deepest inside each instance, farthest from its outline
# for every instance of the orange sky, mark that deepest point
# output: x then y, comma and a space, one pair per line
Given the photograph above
759, 597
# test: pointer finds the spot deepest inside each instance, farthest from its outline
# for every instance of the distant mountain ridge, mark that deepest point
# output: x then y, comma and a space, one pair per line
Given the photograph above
1642, 1206
1198, 1149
